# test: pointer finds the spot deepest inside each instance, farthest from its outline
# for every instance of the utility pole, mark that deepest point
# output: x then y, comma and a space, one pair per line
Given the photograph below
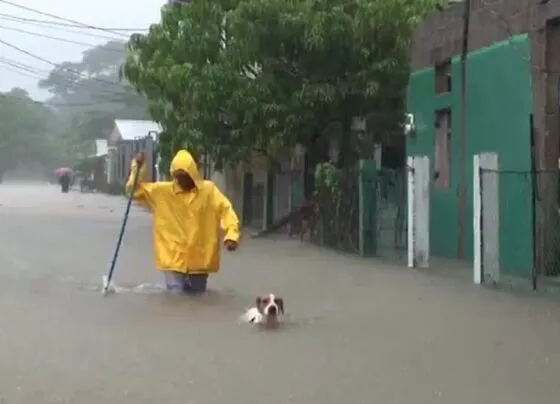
462, 189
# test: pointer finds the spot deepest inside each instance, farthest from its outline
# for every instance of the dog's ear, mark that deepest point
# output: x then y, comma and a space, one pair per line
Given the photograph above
258, 302
280, 303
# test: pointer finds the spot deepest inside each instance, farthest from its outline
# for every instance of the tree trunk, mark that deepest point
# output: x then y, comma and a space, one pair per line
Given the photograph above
345, 143
316, 153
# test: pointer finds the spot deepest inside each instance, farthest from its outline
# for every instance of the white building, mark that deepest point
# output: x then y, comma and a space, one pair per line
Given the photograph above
128, 137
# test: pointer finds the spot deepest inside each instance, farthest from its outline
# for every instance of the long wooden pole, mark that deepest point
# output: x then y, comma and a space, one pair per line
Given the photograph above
462, 189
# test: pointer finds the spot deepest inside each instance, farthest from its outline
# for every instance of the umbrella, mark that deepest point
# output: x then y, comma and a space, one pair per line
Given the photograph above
62, 171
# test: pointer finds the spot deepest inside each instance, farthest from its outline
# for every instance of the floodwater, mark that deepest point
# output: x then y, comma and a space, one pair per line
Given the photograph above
358, 331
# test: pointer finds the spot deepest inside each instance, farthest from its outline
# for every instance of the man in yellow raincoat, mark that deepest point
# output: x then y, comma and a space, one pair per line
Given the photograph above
187, 214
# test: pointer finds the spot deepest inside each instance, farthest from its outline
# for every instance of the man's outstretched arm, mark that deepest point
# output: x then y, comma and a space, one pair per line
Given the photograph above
144, 191
228, 218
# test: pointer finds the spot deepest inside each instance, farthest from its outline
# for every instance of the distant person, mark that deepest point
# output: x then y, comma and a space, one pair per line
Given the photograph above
65, 182
187, 212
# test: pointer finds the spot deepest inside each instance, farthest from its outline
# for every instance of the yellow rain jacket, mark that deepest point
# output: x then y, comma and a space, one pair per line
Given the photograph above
186, 224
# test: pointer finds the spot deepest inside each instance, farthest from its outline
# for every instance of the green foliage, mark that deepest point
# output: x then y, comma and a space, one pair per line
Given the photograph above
86, 97
93, 93
25, 131
231, 77
328, 177
336, 195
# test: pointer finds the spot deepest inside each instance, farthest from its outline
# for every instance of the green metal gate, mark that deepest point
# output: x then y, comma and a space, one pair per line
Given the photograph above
391, 212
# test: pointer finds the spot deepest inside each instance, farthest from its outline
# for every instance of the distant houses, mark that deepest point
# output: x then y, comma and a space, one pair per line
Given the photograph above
128, 137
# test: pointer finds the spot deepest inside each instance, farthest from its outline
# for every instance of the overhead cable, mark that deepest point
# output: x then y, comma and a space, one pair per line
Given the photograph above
58, 17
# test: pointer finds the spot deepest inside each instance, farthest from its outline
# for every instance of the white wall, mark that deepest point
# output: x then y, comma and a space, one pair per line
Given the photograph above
486, 218
418, 211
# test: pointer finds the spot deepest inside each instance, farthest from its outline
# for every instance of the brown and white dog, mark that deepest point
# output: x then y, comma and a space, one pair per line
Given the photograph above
268, 311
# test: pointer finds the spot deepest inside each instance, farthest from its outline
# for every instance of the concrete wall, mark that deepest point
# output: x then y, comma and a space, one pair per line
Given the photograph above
439, 38
234, 187
499, 104
233, 180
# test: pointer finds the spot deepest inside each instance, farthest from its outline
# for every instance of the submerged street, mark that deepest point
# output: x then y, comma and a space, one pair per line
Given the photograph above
357, 331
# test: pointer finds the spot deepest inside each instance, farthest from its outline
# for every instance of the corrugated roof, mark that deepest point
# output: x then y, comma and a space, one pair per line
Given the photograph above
131, 129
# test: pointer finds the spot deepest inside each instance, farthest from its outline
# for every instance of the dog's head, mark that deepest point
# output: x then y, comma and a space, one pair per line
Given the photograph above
270, 306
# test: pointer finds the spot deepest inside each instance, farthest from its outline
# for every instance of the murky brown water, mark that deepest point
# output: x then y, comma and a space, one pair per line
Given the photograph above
357, 331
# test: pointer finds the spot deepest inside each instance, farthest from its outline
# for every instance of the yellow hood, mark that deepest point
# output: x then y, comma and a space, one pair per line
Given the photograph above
185, 225
183, 160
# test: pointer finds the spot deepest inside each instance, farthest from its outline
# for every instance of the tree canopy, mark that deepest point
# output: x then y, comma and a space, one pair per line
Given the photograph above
89, 94
25, 131
86, 97
231, 77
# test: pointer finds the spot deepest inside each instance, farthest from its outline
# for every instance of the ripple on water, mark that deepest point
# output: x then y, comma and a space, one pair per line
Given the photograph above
225, 298
143, 288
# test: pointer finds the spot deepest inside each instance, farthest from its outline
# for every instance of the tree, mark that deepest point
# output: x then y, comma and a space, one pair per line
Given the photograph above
230, 77
24, 127
94, 93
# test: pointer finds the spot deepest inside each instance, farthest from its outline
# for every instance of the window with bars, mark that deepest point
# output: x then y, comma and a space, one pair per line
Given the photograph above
443, 77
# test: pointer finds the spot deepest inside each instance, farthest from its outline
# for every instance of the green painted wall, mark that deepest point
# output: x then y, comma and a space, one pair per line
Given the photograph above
499, 103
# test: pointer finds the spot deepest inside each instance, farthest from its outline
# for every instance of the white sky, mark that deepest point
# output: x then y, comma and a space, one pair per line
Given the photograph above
100, 13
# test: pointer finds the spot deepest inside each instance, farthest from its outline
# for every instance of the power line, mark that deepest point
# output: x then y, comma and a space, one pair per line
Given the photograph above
19, 70
76, 30
67, 105
55, 38
62, 24
57, 17
30, 71
49, 103
24, 66
56, 64
19, 65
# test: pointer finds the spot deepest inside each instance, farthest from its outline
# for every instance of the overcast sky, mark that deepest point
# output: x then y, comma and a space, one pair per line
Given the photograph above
99, 13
